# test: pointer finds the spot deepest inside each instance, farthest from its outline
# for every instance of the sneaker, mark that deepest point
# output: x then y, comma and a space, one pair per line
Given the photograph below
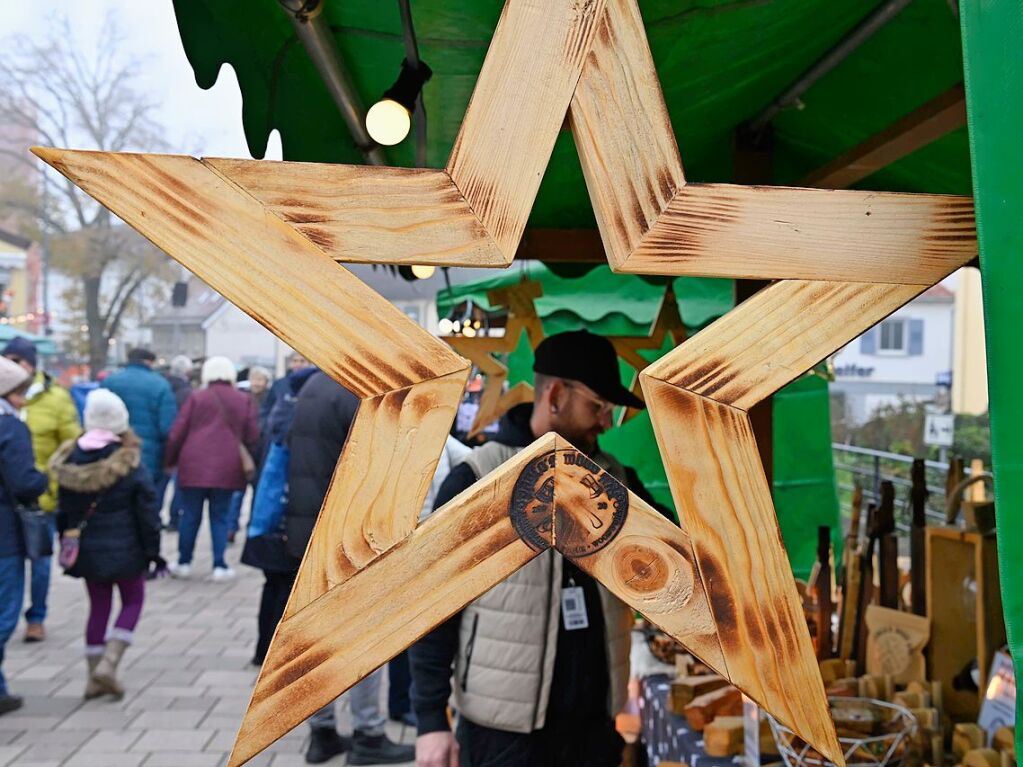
35, 632
379, 749
324, 745
222, 574
180, 571
9, 703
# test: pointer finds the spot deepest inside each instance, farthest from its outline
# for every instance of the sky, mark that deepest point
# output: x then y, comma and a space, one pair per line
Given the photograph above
198, 122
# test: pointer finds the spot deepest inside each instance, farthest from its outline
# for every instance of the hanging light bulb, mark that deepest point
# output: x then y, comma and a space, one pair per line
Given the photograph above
423, 271
390, 119
445, 326
469, 331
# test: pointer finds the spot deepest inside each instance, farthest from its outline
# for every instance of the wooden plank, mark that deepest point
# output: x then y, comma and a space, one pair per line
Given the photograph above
517, 108
825, 607
649, 563
776, 336
724, 503
263, 266
370, 214
621, 127
917, 537
460, 552
764, 232
379, 485
925, 124
888, 549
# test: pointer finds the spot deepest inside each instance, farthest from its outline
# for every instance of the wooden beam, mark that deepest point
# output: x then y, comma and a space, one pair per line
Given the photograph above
925, 124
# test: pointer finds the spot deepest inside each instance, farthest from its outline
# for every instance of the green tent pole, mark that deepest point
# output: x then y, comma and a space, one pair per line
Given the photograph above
993, 64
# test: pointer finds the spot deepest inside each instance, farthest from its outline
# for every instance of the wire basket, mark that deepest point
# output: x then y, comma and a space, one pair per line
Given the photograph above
887, 730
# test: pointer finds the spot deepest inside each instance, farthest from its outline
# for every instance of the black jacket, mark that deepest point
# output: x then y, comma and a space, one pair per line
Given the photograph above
324, 412
122, 535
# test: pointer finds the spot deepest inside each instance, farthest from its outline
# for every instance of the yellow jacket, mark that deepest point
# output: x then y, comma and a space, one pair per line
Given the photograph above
52, 418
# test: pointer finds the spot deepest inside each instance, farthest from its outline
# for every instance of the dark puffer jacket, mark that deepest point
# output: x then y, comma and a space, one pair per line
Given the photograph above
324, 413
122, 536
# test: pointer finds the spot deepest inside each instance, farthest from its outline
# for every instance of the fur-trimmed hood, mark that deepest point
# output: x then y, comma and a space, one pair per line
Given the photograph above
98, 475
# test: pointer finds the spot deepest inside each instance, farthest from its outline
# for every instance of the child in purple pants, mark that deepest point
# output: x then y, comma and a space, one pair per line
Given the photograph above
107, 501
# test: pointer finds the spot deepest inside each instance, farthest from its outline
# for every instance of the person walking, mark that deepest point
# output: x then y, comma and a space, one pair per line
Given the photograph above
179, 376
151, 407
257, 387
324, 413
20, 482
52, 419
211, 445
108, 509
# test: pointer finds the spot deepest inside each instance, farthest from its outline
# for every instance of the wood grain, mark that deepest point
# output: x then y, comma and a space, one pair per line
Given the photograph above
623, 133
649, 564
724, 503
370, 214
380, 482
458, 553
517, 108
775, 336
761, 232
263, 266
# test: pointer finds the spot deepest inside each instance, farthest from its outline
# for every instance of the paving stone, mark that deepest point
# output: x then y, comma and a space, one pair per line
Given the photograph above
162, 740
9, 753
110, 741
167, 720
111, 759
193, 760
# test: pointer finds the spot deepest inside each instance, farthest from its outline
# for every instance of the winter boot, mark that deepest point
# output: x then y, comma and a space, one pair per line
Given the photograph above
93, 689
105, 673
324, 745
378, 749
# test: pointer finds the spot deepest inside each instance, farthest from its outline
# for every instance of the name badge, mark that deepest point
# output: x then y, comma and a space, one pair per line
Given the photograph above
573, 608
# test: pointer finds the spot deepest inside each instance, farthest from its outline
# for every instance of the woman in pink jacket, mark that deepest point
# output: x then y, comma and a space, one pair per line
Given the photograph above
216, 428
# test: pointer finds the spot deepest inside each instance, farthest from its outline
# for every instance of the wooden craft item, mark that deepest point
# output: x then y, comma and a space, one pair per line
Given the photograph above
888, 548
1004, 739
856, 720
835, 669
982, 757
725, 701
967, 736
895, 644
917, 535
667, 324
822, 588
866, 594
480, 350
724, 736
686, 689
266, 235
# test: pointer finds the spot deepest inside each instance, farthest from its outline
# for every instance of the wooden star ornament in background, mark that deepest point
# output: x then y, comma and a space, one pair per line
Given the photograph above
264, 235
480, 350
667, 324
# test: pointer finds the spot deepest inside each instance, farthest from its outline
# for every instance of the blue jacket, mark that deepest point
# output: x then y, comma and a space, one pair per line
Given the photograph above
19, 477
152, 408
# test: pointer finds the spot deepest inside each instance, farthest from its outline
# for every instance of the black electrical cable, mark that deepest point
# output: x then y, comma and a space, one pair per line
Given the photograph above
412, 57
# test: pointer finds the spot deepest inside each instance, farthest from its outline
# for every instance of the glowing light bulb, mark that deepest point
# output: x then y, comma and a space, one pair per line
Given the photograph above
445, 326
469, 331
423, 272
388, 122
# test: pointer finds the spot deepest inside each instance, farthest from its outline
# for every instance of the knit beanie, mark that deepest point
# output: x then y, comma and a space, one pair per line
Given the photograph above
105, 410
22, 348
12, 375
218, 369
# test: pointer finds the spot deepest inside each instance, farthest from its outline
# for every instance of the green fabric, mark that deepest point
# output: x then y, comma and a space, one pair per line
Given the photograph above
992, 30
719, 61
805, 494
43, 345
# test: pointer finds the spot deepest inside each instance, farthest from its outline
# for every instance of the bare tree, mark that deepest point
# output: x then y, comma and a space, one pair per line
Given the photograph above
71, 97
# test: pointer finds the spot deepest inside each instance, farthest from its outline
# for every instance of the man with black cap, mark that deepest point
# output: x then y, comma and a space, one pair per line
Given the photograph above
540, 662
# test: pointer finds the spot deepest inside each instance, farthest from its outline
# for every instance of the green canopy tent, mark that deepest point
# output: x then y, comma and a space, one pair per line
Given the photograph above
43, 344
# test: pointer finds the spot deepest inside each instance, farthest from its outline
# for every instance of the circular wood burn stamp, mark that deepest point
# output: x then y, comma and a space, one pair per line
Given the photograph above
563, 498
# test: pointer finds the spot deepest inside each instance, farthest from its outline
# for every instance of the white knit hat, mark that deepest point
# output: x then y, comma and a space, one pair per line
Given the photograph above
12, 375
105, 410
218, 369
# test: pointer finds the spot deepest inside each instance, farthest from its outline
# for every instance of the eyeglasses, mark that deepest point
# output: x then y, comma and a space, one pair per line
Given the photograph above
601, 407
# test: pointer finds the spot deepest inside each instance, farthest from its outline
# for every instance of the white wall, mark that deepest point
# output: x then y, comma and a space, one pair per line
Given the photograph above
235, 335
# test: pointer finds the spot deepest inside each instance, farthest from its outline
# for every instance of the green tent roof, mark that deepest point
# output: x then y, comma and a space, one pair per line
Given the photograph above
719, 61
43, 344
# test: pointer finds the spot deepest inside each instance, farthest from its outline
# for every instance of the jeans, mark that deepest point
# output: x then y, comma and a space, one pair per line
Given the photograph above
235, 517
40, 581
578, 744
364, 699
12, 595
399, 680
191, 518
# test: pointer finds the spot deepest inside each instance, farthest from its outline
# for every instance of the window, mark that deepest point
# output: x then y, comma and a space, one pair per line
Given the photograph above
893, 337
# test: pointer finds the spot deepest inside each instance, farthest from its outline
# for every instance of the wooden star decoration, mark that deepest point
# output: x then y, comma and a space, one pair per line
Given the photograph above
667, 324
263, 234
480, 350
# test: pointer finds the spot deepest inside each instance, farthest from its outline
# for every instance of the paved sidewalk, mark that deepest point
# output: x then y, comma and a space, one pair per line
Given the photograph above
187, 676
